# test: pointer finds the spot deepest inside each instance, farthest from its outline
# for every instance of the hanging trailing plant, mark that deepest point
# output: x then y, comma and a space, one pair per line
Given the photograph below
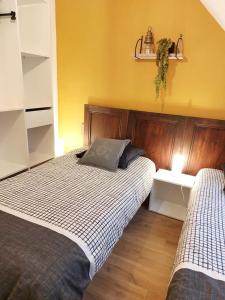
162, 62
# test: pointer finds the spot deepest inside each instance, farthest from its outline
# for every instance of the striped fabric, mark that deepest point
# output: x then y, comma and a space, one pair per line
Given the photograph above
202, 243
89, 205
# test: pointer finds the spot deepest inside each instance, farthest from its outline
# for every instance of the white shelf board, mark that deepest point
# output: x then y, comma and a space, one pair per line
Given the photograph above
9, 168
29, 54
9, 109
38, 158
153, 57
38, 107
181, 180
31, 2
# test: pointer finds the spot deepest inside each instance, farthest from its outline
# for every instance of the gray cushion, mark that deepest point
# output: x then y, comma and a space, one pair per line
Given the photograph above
104, 153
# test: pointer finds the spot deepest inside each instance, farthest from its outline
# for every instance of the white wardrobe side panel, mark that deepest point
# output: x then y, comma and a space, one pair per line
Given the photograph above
13, 137
11, 82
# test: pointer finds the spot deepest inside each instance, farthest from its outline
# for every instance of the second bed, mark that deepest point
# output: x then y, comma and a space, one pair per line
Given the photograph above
199, 270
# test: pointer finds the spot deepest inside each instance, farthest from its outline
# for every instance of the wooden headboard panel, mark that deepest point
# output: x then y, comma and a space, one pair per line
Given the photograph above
205, 144
104, 122
160, 135
202, 141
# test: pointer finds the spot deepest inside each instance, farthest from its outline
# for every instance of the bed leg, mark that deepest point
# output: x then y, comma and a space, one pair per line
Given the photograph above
145, 204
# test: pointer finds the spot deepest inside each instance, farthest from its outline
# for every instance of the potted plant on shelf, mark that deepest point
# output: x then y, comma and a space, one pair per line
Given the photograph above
162, 62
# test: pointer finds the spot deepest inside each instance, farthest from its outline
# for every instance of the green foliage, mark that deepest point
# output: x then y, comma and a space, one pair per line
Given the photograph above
162, 63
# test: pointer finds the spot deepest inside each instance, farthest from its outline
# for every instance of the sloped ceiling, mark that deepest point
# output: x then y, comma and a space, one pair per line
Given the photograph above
217, 9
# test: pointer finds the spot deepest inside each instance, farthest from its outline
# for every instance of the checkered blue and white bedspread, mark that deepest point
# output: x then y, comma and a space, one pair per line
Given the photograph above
86, 204
202, 243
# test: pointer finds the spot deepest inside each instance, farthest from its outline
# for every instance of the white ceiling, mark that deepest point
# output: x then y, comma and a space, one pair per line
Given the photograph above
216, 9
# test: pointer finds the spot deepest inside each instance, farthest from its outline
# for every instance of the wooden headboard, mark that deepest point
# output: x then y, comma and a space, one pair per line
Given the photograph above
202, 141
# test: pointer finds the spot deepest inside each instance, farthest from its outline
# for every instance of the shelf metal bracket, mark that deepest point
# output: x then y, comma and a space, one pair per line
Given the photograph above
12, 14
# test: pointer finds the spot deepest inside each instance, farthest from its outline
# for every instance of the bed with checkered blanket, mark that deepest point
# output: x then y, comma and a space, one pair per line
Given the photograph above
199, 269
60, 221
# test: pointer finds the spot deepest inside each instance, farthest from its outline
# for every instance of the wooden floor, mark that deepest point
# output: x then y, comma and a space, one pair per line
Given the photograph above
140, 265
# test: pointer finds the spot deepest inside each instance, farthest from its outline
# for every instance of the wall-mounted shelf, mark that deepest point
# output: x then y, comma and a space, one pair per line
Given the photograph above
153, 57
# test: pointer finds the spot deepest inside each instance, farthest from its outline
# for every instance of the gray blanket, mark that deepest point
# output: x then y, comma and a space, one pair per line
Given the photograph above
190, 285
39, 264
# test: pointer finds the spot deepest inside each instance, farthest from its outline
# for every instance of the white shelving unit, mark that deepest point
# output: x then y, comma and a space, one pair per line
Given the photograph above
35, 32
11, 82
26, 76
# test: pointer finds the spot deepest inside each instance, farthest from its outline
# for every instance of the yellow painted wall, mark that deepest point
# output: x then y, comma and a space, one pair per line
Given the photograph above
95, 46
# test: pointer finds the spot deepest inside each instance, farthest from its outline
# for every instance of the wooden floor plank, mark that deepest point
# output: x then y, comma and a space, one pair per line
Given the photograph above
140, 265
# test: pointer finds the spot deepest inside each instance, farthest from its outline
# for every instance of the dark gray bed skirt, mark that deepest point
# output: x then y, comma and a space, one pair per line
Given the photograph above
191, 285
39, 264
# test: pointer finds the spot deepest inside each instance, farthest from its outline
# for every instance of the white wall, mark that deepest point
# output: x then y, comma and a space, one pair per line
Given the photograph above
216, 9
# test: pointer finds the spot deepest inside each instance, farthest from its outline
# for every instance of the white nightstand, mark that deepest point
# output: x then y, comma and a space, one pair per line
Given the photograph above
170, 194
